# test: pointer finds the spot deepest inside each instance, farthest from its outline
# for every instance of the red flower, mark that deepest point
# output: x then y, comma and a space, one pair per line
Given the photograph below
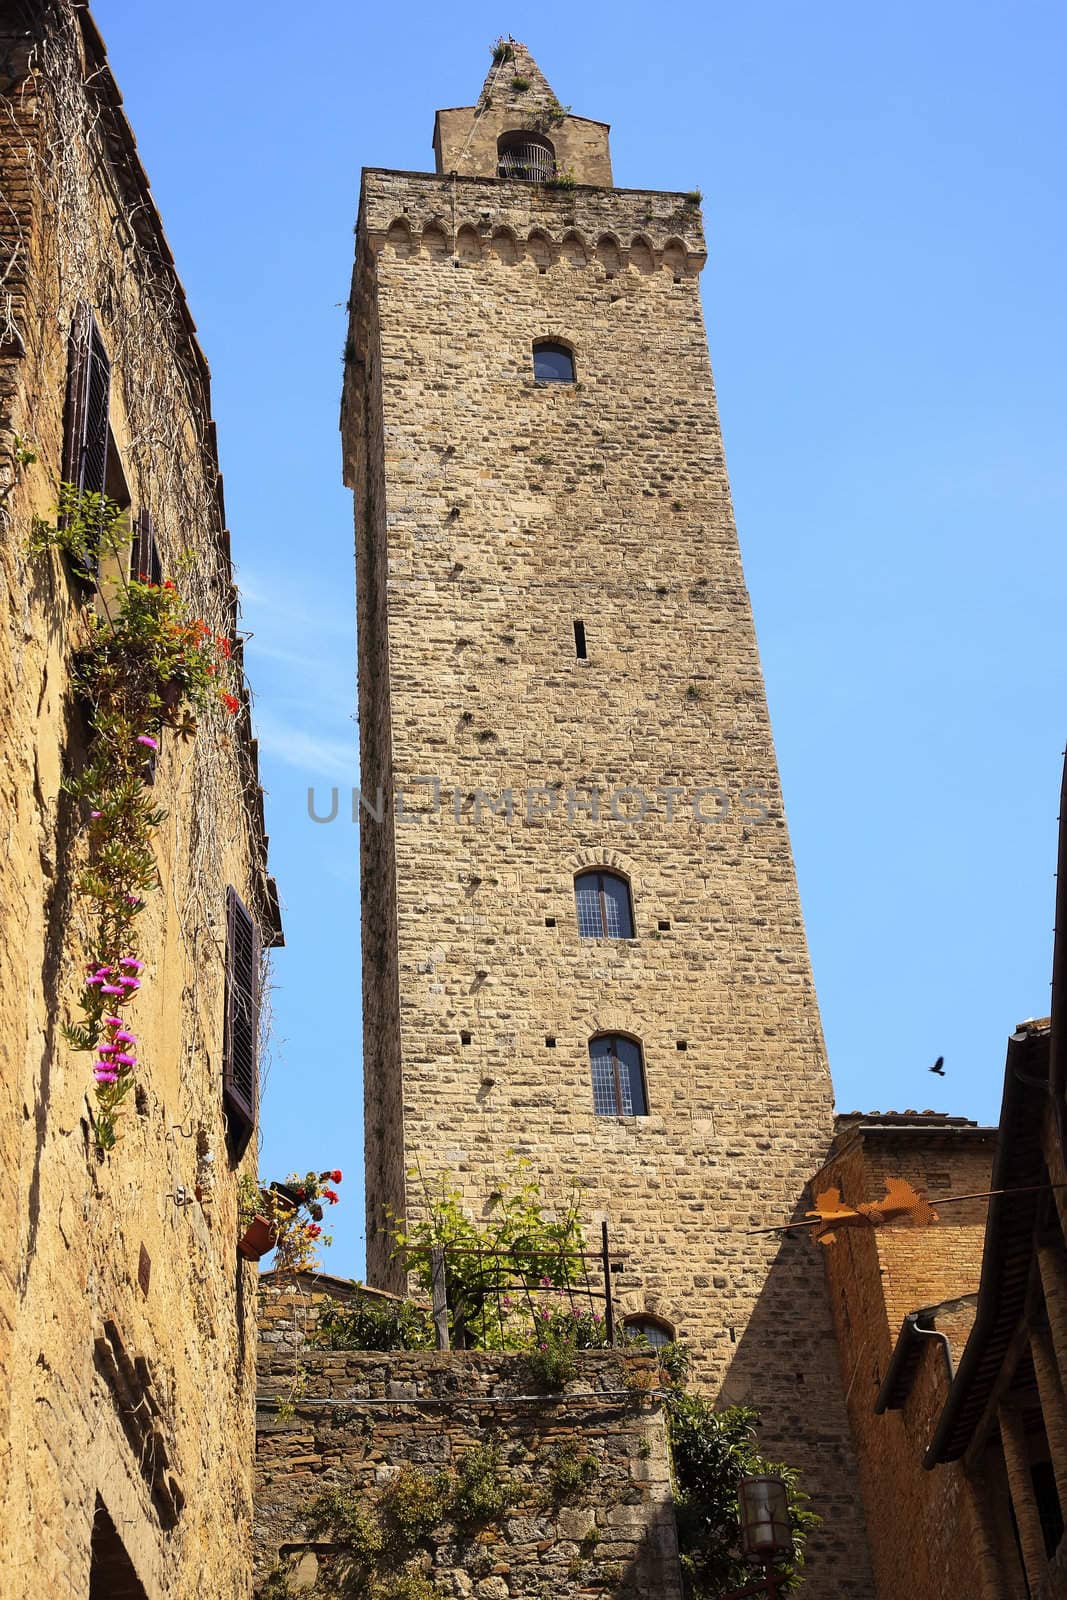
168, 584
335, 1175
231, 702
313, 1230
224, 646
329, 1195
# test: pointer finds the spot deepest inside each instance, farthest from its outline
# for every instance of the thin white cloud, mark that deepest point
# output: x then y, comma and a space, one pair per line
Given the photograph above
318, 756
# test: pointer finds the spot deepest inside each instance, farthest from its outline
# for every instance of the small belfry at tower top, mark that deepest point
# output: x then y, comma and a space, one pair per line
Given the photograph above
519, 129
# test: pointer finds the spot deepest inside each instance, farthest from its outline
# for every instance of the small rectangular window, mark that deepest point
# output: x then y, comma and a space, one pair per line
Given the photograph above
579, 640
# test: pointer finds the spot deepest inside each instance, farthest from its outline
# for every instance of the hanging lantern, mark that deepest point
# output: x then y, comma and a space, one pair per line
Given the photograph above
766, 1531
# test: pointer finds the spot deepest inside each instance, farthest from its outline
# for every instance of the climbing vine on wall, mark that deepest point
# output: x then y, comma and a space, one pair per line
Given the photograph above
145, 663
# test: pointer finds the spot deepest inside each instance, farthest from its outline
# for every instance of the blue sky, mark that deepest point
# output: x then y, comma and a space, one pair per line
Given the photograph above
883, 195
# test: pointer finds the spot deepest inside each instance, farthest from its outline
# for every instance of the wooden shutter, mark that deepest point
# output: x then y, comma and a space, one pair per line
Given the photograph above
240, 1075
144, 552
88, 406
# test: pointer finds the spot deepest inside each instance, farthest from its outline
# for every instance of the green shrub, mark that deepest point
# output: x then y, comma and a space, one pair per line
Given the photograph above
571, 1470
711, 1451
371, 1324
482, 1490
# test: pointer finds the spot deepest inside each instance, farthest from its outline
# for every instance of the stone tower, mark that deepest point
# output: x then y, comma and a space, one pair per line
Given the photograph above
582, 934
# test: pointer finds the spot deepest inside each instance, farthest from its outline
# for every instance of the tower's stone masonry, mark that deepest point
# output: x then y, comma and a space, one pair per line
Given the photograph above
492, 513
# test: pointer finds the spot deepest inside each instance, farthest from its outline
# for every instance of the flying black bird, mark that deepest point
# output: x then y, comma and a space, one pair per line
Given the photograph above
939, 1066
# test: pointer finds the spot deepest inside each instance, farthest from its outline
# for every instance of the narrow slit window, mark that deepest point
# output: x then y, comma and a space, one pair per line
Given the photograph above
603, 905
580, 648
553, 362
618, 1076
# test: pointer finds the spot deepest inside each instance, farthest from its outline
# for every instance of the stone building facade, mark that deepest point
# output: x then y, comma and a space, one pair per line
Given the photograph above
911, 1290
559, 681
359, 1418
127, 1337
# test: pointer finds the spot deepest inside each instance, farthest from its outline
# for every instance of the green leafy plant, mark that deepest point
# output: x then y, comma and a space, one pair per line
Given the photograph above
373, 1324
571, 1471
87, 526
521, 1238
711, 1451
564, 180
502, 51
482, 1491
376, 1543
693, 197
520, 85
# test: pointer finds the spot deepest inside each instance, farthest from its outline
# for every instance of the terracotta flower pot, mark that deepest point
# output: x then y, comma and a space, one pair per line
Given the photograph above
260, 1236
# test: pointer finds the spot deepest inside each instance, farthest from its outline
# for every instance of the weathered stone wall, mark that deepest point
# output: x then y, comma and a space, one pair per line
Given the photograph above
466, 138
926, 1528
510, 509
103, 1262
359, 1416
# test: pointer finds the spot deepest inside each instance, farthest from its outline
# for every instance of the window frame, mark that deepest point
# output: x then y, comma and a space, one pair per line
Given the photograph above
620, 1110
525, 139
600, 873
641, 1321
560, 345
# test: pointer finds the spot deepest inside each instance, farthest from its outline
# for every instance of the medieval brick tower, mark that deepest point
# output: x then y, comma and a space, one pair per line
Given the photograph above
582, 934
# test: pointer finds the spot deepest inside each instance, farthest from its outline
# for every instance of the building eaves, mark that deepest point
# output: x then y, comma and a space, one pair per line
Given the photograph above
130, 175
907, 1353
1006, 1257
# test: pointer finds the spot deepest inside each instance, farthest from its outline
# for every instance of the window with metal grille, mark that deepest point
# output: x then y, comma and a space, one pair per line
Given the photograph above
602, 901
525, 156
553, 362
618, 1076
651, 1330
240, 1076
85, 443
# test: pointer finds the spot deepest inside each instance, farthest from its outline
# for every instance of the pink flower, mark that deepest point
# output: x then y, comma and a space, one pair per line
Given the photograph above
147, 739
125, 1060
95, 814
105, 1074
113, 1022
107, 988
132, 900
106, 1049
128, 983
123, 1037
132, 961
90, 982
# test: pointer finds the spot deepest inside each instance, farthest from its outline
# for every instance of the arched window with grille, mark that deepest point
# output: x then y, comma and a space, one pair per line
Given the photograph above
553, 362
603, 906
653, 1330
527, 156
618, 1076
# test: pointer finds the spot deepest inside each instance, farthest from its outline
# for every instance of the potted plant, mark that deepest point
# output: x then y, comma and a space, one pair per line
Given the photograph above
286, 1217
256, 1222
